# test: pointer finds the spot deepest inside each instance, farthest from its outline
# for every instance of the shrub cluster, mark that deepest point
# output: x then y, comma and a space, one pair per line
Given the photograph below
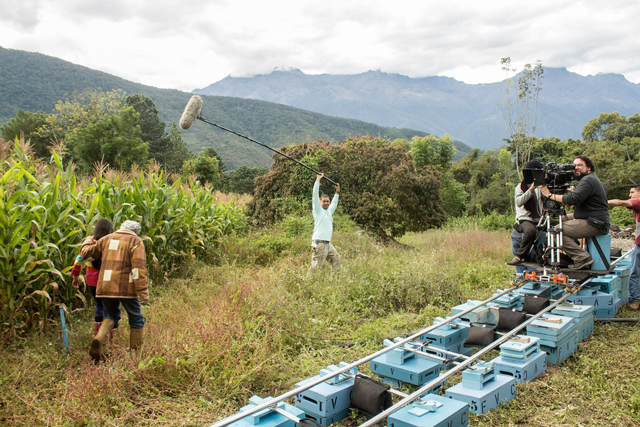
381, 190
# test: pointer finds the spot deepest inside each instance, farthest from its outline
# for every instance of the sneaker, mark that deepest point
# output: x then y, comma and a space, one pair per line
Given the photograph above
634, 305
581, 264
514, 261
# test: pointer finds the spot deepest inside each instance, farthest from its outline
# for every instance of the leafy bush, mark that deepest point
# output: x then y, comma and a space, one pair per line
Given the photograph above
621, 216
298, 226
492, 222
495, 221
381, 190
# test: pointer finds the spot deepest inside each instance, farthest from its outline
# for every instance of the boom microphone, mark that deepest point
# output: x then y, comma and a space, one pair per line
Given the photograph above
191, 112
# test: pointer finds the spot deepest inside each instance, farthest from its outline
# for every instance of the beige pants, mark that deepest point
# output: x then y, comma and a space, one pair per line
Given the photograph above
576, 229
322, 252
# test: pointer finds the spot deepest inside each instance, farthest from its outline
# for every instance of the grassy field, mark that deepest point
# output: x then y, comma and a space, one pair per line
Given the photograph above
258, 322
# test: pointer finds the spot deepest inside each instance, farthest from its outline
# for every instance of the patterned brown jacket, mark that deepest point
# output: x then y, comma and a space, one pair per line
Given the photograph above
123, 273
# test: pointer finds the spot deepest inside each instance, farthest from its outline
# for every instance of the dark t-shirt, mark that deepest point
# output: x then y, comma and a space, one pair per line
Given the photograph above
589, 199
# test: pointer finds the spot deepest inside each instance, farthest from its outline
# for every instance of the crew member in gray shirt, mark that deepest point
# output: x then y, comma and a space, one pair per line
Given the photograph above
590, 215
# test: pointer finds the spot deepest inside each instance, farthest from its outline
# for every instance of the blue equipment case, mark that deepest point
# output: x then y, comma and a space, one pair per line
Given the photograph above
432, 411
327, 398
582, 314
499, 390
267, 417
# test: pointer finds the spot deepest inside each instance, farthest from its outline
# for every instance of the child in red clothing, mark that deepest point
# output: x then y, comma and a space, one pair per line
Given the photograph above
103, 227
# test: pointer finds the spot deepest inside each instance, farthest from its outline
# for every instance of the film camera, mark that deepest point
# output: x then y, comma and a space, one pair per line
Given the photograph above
556, 177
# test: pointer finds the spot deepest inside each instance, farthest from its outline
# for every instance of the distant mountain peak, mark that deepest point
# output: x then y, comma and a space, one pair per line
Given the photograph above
439, 104
612, 76
286, 69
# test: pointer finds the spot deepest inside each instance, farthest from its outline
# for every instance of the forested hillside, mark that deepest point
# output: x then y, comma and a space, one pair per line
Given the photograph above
35, 82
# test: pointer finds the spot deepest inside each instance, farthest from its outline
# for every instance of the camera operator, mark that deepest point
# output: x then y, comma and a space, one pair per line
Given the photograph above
528, 203
590, 216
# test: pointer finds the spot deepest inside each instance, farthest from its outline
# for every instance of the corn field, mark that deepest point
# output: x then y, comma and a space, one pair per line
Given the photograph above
46, 211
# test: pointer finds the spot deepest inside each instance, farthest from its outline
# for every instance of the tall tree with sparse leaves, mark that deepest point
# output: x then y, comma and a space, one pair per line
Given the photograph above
520, 108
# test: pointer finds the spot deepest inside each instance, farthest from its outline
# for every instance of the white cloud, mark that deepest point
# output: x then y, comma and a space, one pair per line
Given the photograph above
190, 44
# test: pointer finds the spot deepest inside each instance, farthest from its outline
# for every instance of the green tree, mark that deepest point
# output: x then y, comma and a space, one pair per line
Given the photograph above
612, 141
520, 108
242, 180
152, 129
454, 195
115, 139
211, 152
614, 128
84, 108
556, 150
433, 151
99, 126
31, 126
439, 152
177, 151
168, 148
206, 169
380, 188
489, 179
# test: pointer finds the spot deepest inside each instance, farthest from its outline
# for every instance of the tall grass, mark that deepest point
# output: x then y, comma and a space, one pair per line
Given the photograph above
45, 212
220, 334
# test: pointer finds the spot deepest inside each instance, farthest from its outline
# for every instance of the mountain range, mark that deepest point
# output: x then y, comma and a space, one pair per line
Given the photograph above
438, 105
35, 82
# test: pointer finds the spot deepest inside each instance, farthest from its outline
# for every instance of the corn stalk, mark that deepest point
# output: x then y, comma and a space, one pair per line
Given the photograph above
45, 214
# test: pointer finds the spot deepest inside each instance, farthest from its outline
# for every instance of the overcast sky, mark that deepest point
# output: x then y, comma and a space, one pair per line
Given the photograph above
190, 44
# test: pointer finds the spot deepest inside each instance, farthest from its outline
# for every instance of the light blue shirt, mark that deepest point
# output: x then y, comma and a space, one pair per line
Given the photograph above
322, 218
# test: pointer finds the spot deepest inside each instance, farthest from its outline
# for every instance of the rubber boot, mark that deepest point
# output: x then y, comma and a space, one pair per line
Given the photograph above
135, 339
98, 341
96, 327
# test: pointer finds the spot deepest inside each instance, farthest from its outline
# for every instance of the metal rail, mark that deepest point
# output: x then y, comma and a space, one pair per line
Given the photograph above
621, 257
417, 394
355, 364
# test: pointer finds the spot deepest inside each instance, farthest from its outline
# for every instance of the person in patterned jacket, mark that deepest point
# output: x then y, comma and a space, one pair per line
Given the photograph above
122, 280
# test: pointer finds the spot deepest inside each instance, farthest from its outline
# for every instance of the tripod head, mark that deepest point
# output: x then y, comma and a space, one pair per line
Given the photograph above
551, 207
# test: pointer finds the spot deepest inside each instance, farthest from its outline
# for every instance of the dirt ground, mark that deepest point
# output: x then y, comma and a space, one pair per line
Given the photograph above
624, 244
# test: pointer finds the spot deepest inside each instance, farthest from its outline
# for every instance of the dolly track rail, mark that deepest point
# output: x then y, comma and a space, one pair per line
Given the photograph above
355, 364
417, 394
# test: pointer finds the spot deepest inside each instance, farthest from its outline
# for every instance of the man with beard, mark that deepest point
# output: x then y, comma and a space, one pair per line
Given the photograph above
590, 215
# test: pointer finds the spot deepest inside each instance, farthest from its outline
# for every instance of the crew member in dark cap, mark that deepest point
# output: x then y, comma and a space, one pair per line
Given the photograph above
528, 201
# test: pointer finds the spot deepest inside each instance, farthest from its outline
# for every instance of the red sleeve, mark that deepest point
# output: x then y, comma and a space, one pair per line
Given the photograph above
77, 268
635, 207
